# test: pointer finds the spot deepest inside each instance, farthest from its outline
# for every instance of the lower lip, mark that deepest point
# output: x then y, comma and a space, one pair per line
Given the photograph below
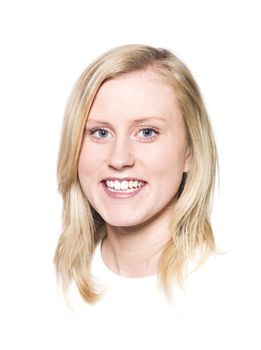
122, 195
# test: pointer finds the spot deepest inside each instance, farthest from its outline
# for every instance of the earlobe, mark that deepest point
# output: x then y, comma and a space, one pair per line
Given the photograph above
187, 160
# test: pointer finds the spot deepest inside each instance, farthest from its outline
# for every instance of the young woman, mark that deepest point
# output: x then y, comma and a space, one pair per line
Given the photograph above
136, 170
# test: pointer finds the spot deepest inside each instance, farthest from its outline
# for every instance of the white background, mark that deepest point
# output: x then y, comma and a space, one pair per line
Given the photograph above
44, 47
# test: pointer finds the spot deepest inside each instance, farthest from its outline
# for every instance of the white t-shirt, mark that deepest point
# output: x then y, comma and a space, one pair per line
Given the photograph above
135, 314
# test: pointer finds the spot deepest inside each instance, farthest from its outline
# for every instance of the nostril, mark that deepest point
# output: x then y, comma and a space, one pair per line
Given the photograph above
120, 162
121, 155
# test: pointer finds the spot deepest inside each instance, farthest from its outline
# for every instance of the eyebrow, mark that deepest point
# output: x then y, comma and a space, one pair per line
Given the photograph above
140, 120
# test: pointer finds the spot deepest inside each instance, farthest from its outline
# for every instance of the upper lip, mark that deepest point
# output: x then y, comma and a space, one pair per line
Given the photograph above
122, 179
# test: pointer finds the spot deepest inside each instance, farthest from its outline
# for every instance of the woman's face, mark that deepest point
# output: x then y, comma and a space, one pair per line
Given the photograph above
134, 150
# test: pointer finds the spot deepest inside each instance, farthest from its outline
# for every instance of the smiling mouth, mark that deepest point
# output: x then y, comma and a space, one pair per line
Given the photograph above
125, 186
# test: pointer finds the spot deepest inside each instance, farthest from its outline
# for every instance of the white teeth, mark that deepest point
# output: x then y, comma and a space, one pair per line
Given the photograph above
117, 185
125, 186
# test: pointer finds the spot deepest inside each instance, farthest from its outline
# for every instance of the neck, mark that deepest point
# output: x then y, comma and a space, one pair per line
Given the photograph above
135, 251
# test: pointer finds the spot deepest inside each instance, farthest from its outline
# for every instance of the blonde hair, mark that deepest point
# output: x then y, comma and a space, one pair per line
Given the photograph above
82, 226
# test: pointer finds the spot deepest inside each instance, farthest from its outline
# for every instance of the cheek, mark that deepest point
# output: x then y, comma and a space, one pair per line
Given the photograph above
168, 169
87, 168
89, 160
86, 171
82, 165
168, 160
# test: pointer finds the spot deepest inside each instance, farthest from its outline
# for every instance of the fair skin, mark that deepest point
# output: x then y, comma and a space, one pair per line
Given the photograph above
133, 156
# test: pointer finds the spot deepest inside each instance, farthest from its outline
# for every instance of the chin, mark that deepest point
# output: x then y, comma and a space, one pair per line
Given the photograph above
123, 222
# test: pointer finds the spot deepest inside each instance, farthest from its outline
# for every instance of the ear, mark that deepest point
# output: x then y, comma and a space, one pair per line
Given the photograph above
187, 160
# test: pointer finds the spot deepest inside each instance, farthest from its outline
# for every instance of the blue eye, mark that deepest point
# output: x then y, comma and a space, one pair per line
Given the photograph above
148, 133
100, 133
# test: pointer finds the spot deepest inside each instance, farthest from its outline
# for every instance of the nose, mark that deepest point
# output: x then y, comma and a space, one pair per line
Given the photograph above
121, 155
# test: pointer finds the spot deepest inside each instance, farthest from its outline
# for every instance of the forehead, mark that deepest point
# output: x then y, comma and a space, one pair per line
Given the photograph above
135, 93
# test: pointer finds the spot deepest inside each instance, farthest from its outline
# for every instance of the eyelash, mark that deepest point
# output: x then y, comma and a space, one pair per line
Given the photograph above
144, 139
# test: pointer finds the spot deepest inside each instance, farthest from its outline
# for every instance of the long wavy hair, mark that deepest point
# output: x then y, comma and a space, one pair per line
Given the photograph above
82, 226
